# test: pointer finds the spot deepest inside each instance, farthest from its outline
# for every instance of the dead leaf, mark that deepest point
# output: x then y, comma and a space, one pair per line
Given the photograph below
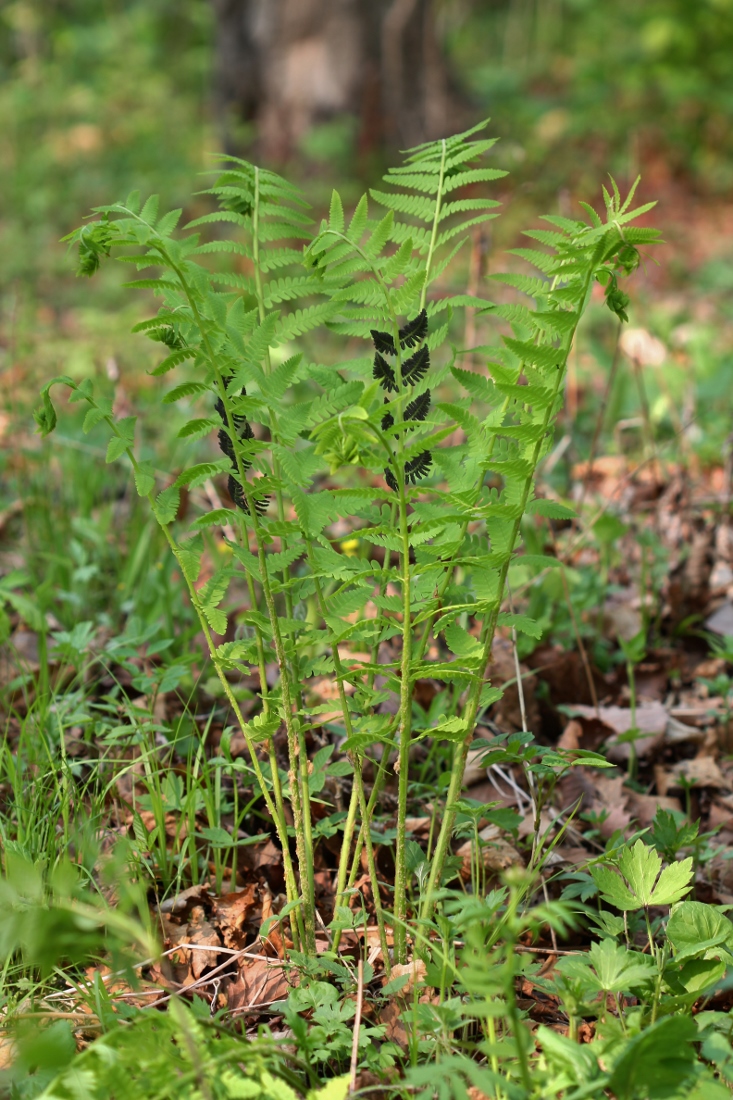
496, 852
415, 970
418, 826
258, 983
651, 720
230, 914
643, 807
642, 347
702, 771
176, 826
202, 934
182, 903
571, 736
392, 1016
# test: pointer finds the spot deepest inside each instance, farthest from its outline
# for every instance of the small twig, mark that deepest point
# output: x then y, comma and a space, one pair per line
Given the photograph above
511, 782
243, 954
357, 1025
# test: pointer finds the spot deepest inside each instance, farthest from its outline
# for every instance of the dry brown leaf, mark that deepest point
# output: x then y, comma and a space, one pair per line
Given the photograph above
8, 1051
259, 982
176, 826
418, 826
391, 1016
702, 771
643, 807
202, 934
651, 720
571, 736
182, 903
231, 912
496, 852
415, 970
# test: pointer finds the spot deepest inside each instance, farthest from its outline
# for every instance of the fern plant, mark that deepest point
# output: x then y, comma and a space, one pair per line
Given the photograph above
422, 595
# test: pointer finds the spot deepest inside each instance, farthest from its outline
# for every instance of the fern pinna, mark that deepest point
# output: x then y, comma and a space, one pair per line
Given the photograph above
420, 592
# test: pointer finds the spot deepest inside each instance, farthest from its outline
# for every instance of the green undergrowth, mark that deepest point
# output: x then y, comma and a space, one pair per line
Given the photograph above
350, 498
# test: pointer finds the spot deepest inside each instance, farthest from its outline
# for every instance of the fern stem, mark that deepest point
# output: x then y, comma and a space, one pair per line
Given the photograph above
231, 698
298, 759
358, 797
436, 221
290, 655
461, 750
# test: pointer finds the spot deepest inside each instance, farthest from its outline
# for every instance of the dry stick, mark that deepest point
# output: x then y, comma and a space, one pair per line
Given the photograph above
357, 1025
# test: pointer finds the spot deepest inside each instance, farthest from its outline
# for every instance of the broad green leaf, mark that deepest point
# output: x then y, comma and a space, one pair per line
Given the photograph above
656, 1062
695, 928
618, 970
578, 1062
642, 885
335, 1089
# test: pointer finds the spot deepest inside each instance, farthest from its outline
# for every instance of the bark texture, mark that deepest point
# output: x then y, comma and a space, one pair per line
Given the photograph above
289, 64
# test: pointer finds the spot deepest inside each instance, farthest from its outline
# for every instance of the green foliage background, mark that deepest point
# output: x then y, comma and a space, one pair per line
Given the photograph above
96, 98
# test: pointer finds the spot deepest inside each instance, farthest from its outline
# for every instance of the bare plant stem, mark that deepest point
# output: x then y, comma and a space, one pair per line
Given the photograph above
358, 779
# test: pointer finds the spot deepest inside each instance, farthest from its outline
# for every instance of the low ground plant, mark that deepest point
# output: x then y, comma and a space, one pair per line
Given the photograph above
373, 517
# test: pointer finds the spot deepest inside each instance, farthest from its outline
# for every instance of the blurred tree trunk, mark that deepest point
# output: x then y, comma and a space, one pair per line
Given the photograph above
290, 64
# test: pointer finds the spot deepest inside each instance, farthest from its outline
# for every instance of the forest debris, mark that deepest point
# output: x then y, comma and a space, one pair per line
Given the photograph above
621, 620
496, 852
721, 621
642, 348
259, 983
507, 712
564, 673
604, 796
231, 912
176, 826
721, 814
392, 1015
202, 934
701, 771
415, 970
643, 807
474, 772
183, 902
418, 826
652, 720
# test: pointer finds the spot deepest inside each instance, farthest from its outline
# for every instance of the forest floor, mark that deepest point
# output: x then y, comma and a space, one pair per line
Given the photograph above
111, 727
